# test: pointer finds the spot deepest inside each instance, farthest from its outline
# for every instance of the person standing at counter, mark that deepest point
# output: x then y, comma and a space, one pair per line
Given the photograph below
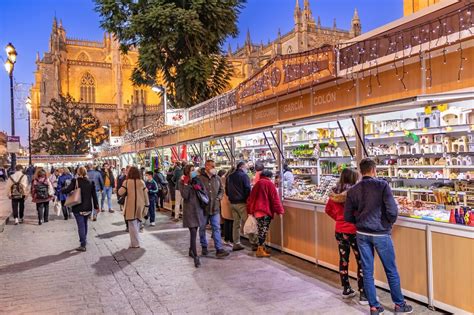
371, 207
263, 203
346, 234
177, 174
288, 177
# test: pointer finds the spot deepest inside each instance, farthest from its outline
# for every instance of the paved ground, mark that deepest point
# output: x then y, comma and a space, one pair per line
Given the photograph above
40, 273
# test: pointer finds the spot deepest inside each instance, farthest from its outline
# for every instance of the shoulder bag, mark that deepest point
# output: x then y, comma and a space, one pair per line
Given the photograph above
74, 198
121, 198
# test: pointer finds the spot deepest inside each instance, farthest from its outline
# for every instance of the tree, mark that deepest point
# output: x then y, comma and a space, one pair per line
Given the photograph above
69, 126
178, 40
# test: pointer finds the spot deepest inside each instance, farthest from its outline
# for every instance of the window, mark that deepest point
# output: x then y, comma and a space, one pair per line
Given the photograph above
289, 50
88, 88
82, 57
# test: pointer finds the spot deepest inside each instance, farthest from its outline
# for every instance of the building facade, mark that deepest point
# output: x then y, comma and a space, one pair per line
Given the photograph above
93, 72
412, 6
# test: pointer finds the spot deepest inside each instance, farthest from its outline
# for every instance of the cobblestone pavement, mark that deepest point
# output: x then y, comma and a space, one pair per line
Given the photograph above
40, 273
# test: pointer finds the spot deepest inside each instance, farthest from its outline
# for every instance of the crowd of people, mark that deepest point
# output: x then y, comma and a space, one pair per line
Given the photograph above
362, 206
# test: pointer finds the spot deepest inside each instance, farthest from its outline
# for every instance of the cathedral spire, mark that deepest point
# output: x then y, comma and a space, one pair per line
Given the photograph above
37, 57
334, 25
55, 22
229, 49
356, 15
356, 27
248, 41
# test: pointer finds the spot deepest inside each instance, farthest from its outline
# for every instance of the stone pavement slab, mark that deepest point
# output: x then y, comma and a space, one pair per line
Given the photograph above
40, 273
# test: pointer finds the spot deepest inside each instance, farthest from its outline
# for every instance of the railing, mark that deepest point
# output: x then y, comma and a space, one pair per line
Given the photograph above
81, 42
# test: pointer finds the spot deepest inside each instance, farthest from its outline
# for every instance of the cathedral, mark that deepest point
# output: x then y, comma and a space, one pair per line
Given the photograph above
97, 73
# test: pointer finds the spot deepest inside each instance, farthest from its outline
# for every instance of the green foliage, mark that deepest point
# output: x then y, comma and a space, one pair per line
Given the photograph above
178, 40
303, 151
69, 126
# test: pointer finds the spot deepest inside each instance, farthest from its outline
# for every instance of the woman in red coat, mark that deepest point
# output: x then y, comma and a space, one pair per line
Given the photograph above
263, 203
345, 233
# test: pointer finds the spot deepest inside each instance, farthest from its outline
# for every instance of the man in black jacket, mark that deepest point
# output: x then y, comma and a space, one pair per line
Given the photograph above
238, 191
371, 207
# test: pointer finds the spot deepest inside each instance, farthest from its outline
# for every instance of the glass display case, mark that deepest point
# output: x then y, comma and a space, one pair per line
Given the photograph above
220, 151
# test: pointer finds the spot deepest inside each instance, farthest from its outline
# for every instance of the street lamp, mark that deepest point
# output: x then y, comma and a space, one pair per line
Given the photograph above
28, 107
109, 127
161, 89
9, 67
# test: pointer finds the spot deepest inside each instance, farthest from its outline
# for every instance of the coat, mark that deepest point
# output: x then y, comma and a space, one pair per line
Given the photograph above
335, 209
136, 202
226, 210
88, 195
193, 213
213, 188
34, 195
96, 177
62, 181
264, 199
238, 187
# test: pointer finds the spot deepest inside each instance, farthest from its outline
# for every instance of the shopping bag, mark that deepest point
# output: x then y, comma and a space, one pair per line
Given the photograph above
57, 207
250, 226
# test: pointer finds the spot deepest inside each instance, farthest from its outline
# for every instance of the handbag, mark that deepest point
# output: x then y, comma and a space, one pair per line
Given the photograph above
121, 198
203, 198
74, 198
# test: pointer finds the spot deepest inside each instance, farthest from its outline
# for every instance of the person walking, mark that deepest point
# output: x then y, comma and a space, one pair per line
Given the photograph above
120, 179
109, 185
53, 178
30, 172
17, 187
226, 210
215, 191
172, 188
42, 193
64, 180
238, 190
263, 203
136, 204
177, 174
371, 207
346, 234
193, 211
95, 176
89, 201
152, 188
162, 189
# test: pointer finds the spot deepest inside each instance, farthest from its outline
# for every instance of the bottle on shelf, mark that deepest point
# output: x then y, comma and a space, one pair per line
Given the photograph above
452, 218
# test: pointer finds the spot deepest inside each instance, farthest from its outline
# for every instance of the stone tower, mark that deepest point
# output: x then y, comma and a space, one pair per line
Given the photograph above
356, 27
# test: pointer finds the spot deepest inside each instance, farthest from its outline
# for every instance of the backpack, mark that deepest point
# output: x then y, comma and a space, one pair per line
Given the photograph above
17, 190
42, 190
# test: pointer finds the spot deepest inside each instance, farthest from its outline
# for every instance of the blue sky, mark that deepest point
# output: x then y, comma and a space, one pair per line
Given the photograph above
27, 24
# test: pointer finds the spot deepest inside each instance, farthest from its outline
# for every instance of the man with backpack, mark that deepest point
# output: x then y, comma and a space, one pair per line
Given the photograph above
17, 187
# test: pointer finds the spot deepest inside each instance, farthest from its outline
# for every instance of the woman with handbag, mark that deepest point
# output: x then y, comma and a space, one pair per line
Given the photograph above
82, 199
193, 211
136, 204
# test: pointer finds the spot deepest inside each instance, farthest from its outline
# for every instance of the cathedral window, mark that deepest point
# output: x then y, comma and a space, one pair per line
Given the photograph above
87, 88
289, 50
82, 57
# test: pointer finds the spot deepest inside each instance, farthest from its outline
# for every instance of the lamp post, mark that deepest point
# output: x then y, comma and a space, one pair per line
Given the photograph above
162, 89
9, 66
28, 107
109, 127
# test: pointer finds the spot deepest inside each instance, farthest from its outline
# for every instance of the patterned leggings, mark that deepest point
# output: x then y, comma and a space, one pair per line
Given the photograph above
346, 241
263, 225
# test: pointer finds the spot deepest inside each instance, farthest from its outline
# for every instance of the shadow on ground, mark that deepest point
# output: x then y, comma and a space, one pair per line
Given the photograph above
107, 265
37, 262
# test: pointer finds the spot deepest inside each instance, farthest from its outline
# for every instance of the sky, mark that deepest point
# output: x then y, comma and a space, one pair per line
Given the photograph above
27, 24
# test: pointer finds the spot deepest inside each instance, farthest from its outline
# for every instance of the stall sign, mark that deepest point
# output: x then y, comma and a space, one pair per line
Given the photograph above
176, 117
116, 141
13, 144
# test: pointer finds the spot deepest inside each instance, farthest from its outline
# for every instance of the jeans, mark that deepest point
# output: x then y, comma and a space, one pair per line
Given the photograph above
81, 221
106, 193
239, 212
43, 211
384, 247
97, 192
151, 208
345, 243
215, 220
18, 203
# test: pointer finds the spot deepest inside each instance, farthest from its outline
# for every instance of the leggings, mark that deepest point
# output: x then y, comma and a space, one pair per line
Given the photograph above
192, 244
345, 242
263, 224
228, 226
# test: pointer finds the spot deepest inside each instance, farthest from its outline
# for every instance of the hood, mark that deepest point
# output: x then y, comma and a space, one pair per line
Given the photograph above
339, 198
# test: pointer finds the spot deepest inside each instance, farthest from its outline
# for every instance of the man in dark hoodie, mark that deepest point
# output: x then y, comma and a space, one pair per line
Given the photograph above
371, 207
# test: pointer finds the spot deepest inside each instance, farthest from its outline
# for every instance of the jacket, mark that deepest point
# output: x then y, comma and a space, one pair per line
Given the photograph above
16, 177
371, 207
136, 201
177, 174
62, 181
264, 199
34, 194
215, 191
238, 187
160, 180
226, 210
88, 195
152, 188
120, 179
335, 209
193, 213
96, 177
111, 178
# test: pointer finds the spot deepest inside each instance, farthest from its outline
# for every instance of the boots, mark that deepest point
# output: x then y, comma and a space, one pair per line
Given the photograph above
197, 262
261, 253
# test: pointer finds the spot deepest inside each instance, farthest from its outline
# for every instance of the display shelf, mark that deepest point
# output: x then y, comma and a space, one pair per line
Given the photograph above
303, 166
418, 132
418, 166
253, 147
428, 191
325, 140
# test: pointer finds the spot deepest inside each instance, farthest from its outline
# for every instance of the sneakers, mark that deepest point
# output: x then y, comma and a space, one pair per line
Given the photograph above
103, 210
22, 221
237, 247
204, 251
17, 221
221, 253
261, 253
111, 211
348, 293
363, 299
152, 223
376, 310
81, 249
403, 309
94, 217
